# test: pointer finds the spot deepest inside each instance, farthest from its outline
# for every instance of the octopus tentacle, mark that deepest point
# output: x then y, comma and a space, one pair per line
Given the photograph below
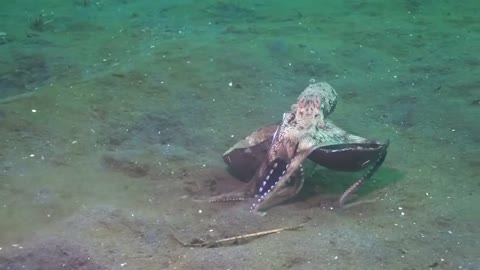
226, 198
288, 190
301, 180
275, 171
373, 168
242, 194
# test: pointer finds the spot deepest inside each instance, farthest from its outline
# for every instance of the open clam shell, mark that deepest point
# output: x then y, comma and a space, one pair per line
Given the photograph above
348, 156
245, 157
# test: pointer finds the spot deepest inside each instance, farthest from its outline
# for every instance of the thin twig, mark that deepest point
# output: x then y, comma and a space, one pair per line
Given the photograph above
17, 97
235, 240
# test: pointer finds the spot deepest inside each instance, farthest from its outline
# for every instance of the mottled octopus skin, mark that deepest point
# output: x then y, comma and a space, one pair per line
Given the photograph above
277, 157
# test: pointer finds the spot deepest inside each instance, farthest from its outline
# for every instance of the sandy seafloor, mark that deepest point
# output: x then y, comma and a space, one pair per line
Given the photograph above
114, 115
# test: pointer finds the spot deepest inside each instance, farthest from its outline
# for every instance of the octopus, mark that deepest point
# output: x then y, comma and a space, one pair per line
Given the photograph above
272, 157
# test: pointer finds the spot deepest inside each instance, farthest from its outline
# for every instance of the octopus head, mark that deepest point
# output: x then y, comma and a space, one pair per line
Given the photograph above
314, 103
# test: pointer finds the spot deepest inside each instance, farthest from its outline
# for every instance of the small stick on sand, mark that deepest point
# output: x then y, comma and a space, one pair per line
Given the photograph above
15, 98
235, 240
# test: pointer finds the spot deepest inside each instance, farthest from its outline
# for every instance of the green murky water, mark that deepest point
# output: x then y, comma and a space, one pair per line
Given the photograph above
114, 115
